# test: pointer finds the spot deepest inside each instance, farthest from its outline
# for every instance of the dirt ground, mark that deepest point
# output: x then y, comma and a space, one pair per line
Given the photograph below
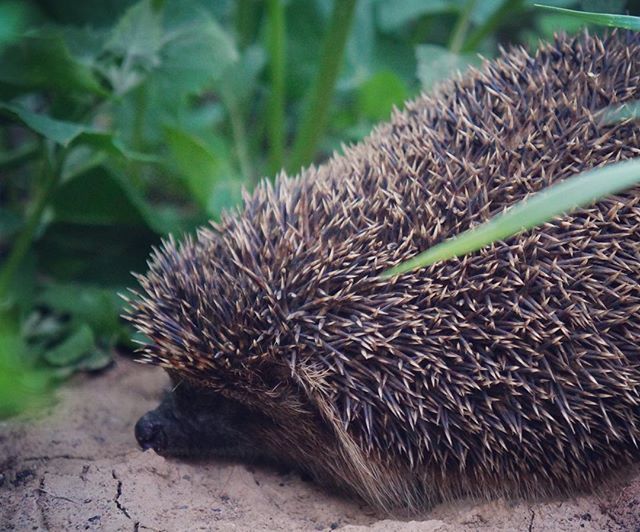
78, 468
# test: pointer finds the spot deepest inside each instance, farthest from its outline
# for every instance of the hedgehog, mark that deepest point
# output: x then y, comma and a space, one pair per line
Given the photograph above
513, 371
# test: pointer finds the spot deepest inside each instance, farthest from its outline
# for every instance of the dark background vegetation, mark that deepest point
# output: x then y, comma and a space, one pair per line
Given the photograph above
124, 121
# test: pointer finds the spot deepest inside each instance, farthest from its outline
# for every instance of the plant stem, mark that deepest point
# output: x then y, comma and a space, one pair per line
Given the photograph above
239, 133
460, 29
275, 106
490, 25
25, 238
246, 18
137, 135
315, 116
18, 156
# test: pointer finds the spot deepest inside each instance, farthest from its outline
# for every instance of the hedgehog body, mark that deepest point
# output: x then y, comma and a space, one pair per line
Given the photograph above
514, 370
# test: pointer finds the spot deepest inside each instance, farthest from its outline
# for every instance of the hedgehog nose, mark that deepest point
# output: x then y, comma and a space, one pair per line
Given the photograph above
150, 433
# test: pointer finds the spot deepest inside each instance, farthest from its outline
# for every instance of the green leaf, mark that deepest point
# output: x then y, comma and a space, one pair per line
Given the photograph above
183, 56
436, 63
96, 360
240, 78
10, 223
39, 328
19, 155
96, 306
204, 118
360, 48
598, 6
549, 25
392, 14
303, 45
397, 56
619, 113
603, 19
226, 193
580, 190
196, 53
101, 229
13, 19
21, 386
201, 166
42, 60
318, 100
94, 254
138, 33
59, 131
482, 11
19, 293
107, 141
133, 49
78, 344
65, 133
85, 44
103, 197
380, 93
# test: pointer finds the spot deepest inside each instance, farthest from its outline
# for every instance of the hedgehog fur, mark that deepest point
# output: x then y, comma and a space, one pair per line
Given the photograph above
511, 371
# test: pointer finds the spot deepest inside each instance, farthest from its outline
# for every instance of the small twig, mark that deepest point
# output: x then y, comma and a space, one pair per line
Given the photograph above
54, 496
533, 515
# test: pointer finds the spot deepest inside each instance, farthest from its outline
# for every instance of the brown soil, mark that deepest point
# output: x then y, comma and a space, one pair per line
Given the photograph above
78, 468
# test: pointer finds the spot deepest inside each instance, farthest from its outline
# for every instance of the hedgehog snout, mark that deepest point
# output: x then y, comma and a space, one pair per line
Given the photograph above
150, 432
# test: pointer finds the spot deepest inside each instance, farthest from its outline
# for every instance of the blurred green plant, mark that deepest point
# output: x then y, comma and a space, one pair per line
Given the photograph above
126, 121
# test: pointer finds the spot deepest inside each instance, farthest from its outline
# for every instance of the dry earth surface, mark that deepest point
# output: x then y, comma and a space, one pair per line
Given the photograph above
78, 468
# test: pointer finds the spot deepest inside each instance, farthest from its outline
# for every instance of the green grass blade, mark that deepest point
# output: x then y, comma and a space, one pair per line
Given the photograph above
462, 26
578, 191
619, 113
315, 116
276, 42
604, 19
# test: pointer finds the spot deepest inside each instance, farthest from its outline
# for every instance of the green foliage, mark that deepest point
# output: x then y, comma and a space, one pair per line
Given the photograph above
23, 386
437, 63
378, 95
127, 121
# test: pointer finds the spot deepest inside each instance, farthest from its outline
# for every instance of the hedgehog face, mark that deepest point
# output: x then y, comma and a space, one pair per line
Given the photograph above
193, 421
199, 422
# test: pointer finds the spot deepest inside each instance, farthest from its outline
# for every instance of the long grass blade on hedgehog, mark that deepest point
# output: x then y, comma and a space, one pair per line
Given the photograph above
514, 370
